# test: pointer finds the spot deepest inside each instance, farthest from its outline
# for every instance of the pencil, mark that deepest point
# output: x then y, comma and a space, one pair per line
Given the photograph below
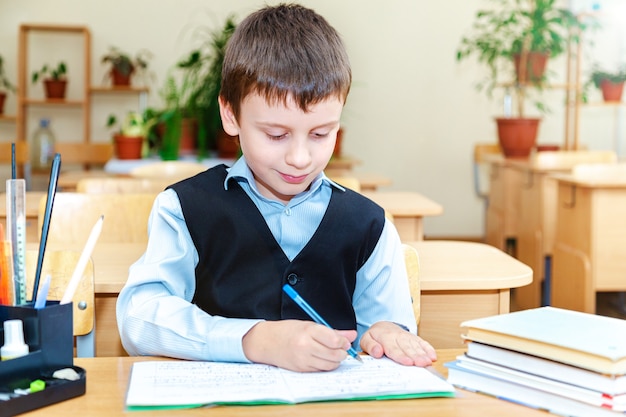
82, 261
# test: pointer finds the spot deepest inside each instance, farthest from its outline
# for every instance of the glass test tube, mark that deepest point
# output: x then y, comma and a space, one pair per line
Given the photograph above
16, 225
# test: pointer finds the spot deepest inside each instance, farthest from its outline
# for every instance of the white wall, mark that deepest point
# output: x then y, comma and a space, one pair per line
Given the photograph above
413, 113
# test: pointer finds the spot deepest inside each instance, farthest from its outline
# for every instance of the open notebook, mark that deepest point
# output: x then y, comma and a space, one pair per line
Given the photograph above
187, 384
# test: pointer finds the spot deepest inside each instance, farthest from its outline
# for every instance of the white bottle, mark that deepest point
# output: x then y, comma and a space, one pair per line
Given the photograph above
42, 151
14, 345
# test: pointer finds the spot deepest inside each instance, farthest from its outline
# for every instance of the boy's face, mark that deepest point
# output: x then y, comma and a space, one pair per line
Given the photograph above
285, 147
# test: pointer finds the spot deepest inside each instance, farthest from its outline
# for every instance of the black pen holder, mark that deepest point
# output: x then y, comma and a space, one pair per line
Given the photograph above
48, 332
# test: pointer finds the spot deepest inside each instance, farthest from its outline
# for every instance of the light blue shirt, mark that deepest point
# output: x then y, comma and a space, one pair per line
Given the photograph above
155, 315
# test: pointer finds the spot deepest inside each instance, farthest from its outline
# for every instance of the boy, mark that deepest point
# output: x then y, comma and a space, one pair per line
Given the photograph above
223, 243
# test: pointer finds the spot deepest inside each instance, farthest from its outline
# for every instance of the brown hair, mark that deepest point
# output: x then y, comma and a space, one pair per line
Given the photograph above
282, 51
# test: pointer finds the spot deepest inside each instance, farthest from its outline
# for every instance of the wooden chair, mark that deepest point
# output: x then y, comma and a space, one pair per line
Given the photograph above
74, 214
21, 152
60, 266
121, 185
168, 170
411, 260
84, 153
481, 150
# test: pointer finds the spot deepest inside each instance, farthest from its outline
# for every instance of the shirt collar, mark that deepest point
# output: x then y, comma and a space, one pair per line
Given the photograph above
240, 171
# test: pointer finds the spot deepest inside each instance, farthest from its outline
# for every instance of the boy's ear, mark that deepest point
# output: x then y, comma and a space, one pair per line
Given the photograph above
229, 122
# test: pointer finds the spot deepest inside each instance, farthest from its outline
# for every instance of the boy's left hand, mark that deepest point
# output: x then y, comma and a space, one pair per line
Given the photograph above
405, 348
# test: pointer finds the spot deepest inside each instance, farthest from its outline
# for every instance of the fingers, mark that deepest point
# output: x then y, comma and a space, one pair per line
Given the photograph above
397, 344
297, 345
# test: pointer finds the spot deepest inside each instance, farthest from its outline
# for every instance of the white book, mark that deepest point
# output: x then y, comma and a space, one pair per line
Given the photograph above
608, 384
186, 384
596, 398
520, 394
585, 340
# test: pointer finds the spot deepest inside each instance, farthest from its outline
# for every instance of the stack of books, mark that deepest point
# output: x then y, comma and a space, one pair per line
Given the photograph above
565, 362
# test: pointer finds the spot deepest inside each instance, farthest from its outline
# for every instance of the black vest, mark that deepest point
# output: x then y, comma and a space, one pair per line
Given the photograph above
241, 267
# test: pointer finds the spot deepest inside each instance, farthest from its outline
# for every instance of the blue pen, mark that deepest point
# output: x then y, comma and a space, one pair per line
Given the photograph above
313, 314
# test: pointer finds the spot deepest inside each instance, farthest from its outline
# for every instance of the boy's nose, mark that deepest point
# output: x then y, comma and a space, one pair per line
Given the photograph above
298, 155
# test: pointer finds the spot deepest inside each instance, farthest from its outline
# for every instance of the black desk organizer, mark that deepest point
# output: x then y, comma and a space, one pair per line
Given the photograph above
49, 334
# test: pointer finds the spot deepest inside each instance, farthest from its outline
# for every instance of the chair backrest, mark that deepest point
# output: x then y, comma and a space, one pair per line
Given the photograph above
84, 153
74, 214
411, 260
21, 152
121, 185
170, 170
481, 175
60, 266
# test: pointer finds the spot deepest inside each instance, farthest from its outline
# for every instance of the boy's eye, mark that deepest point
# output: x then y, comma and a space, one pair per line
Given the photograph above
320, 135
276, 136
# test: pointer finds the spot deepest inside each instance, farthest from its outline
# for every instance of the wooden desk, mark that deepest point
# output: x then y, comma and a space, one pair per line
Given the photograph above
461, 281
32, 211
107, 382
370, 181
522, 206
68, 179
589, 248
408, 209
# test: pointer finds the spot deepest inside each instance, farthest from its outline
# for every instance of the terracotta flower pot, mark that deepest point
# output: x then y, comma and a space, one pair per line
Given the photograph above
120, 79
227, 146
128, 147
188, 136
55, 89
611, 91
3, 97
517, 137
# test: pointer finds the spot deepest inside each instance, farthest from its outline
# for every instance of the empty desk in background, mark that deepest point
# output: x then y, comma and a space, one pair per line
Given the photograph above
537, 216
68, 179
32, 211
590, 241
461, 281
408, 209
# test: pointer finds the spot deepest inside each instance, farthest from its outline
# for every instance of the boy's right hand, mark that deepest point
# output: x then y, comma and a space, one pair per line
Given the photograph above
297, 345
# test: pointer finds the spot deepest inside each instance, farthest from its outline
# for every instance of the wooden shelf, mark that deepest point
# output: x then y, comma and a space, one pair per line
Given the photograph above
118, 90
52, 28
604, 104
79, 148
54, 102
8, 119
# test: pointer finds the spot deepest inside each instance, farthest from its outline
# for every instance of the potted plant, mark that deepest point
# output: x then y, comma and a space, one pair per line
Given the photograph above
131, 137
515, 40
610, 83
123, 66
195, 96
6, 86
54, 79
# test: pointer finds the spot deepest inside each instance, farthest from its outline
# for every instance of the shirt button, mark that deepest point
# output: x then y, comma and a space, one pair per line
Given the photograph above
288, 211
292, 279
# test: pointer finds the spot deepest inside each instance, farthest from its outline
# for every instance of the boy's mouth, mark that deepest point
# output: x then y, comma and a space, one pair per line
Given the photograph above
293, 179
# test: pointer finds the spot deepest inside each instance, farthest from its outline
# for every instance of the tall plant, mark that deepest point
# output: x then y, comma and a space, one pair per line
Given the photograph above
518, 28
196, 94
